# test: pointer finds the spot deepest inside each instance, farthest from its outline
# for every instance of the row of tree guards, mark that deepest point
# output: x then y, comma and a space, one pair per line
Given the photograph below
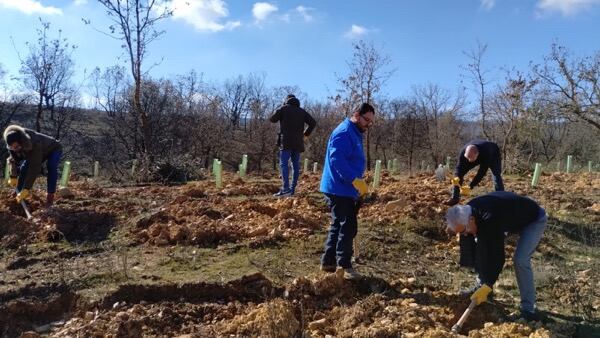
64, 179
392, 167
538, 169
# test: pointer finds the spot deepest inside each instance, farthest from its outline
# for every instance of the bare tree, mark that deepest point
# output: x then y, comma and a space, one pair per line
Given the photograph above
574, 84
134, 23
512, 119
47, 71
10, 103
368, 71
440, 111
478, 76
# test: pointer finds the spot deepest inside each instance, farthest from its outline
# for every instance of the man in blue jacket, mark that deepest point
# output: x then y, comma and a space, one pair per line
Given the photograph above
484, 154
487, 218
342, 184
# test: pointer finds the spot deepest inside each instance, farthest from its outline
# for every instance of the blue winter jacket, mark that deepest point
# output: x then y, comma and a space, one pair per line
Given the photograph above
344, 161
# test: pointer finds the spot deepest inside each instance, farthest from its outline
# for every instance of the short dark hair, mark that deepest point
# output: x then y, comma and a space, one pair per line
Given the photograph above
289, 96
365, 108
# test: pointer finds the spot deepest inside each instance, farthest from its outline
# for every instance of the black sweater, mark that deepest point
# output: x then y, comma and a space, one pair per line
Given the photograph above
489, 153
291, 119
496, 213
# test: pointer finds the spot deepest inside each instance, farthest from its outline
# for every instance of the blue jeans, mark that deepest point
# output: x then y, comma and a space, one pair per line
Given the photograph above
284, 158
529, 238
343, 229
52, 166
496, 169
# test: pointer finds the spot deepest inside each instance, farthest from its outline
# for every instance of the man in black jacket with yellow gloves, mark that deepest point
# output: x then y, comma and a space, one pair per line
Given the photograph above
484, 154
487, 218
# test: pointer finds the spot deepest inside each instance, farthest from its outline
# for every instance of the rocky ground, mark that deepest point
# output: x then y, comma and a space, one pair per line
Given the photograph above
194, 260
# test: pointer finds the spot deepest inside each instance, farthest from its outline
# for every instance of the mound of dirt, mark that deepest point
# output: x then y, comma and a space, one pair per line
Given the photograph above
315, 306
15, 231
271, 319
209, 222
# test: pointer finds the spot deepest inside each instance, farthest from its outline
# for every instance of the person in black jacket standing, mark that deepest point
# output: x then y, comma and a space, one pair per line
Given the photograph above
486, 154
291, 120
487, 218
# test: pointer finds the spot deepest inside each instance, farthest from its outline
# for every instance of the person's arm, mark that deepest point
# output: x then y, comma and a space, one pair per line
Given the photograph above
12, 164
340, 150
480, 173
310, 121
34, 166
462, 166
276, 116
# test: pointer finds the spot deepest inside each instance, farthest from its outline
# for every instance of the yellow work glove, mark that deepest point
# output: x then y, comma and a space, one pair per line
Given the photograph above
361, 186
465, 190
456, 181
23, 195
481, 294
12, 182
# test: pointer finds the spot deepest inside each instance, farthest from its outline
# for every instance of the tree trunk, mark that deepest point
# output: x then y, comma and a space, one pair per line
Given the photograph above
38, 118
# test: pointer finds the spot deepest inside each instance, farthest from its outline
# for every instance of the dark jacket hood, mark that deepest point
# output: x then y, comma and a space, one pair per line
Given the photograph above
293, 101
26, 139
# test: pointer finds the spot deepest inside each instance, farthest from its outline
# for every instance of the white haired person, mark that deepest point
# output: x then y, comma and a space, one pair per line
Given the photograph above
484, 154
488, 217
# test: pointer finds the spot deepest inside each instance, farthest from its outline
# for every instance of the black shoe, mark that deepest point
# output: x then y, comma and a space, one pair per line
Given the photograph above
283, 193
530, 316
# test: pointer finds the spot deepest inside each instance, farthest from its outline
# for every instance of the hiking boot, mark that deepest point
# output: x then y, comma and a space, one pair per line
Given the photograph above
348, 274
328, 268
283, 193
530, 316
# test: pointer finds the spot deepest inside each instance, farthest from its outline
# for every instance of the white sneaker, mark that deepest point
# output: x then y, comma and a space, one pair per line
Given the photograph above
351, 274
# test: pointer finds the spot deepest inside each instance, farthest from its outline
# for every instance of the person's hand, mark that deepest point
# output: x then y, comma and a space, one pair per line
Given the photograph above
361, 186
456, 181
465, 190
23, 195
481, 294
12, 182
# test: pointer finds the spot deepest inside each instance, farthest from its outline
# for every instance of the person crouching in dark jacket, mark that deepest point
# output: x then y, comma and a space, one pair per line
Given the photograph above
28, 150
488, 217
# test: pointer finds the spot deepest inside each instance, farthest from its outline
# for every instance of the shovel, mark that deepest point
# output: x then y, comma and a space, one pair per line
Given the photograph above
464, 317
27, 212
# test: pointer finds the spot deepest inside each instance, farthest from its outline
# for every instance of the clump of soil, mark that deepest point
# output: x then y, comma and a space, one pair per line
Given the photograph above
209, 222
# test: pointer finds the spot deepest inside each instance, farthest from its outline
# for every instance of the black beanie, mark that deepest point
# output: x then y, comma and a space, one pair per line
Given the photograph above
14, 136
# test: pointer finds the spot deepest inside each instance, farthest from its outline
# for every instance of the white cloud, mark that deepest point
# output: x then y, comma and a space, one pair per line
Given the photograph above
80, 2
262, 10
30, 7
356, 32
305, 13
565, 7
488, 4
204, 15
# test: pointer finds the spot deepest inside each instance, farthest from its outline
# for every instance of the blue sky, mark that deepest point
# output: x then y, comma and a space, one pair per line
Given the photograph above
306, 42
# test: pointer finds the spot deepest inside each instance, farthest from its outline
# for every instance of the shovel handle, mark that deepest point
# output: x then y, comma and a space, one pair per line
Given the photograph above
27, 212
464, 317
